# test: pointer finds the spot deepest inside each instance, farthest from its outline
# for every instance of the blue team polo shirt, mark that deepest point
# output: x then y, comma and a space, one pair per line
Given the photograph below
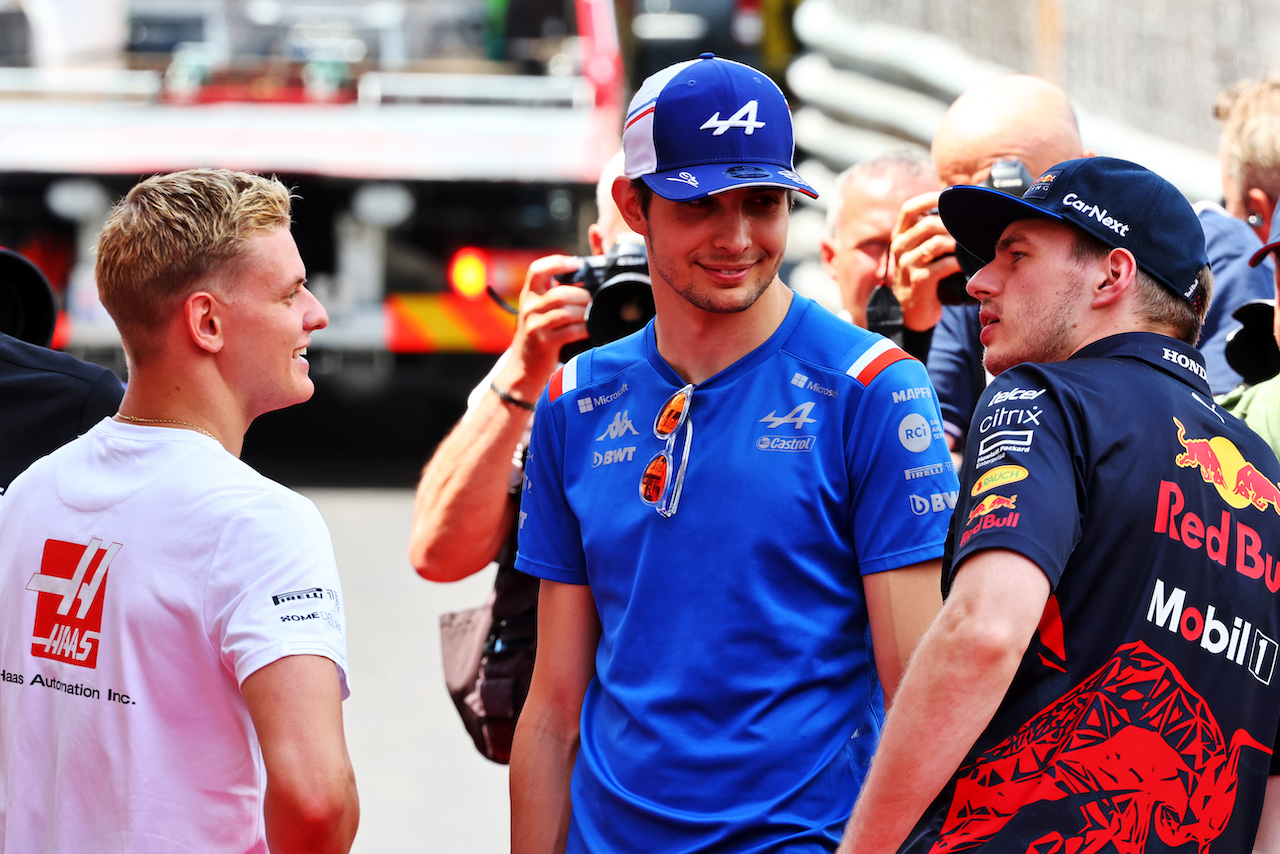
736, 703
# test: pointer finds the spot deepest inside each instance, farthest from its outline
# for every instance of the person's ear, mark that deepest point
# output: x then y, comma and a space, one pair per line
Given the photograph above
628, 202
1260, 207
595, 239
202, 314
827, 253
1119, 271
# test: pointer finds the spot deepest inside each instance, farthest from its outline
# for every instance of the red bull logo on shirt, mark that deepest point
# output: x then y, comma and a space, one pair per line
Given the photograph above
992, 503
981, 520
1220, 463
71, 583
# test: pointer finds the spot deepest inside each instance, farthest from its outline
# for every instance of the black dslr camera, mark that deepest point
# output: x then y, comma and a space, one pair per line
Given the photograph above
621, 293
1007, 176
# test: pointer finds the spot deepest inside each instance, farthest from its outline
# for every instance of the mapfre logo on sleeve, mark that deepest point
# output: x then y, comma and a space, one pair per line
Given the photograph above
72, 584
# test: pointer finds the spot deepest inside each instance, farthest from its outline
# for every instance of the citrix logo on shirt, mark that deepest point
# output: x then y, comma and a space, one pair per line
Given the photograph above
72, 586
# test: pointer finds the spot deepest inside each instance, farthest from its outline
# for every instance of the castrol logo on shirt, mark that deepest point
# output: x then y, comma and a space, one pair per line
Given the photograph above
71, 585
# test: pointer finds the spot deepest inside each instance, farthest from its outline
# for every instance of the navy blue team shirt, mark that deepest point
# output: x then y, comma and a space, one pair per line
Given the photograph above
1147, 703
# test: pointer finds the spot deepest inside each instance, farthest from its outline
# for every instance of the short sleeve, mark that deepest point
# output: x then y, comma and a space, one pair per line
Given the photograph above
550, 539
1019, 490
904, 482
273, 588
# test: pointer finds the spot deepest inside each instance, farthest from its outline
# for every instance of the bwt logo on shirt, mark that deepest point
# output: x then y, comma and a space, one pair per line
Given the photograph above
1240, 643
72, 585
935, 503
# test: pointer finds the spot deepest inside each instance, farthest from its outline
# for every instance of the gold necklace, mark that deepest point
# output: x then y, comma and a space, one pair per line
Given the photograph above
135, 419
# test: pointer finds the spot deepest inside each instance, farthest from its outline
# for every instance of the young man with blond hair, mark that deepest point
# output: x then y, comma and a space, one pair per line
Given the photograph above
171, 625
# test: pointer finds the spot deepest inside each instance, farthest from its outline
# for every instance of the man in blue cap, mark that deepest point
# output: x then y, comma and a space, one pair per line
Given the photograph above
1102, 675
721, 616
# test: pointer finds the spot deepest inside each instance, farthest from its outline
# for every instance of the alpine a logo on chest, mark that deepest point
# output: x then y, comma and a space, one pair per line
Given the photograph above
71, 585
797, 417
745, 118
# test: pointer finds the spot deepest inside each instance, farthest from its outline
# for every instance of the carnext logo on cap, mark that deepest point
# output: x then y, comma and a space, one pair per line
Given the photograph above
1071, 200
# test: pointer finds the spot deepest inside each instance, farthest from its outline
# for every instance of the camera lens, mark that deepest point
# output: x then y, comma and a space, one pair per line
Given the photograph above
623, 305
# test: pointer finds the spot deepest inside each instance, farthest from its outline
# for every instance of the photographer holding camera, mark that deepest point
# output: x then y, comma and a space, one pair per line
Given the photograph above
468, 495
1018, 119
464, 514
983, 137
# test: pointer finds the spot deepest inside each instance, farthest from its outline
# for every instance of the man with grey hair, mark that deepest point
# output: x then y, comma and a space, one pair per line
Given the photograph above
866, 200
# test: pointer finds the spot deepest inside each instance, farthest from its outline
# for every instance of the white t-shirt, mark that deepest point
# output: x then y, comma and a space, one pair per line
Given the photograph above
144, 574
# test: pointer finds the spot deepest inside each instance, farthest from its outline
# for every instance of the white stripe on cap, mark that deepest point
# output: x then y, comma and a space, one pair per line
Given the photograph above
640, 157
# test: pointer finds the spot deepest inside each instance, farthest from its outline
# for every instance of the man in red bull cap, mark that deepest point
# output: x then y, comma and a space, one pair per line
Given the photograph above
1102, 674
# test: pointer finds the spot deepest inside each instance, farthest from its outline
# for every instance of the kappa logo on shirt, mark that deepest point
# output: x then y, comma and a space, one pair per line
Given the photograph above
72, 586
619, 427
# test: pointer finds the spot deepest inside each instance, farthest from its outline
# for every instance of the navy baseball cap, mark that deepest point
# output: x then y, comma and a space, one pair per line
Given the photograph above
1273, 240
708, 125
1124, 205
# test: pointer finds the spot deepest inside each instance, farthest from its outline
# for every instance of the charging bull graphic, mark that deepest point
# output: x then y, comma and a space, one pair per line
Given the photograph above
1198, 452
1220, 462
992, 503
1130, 749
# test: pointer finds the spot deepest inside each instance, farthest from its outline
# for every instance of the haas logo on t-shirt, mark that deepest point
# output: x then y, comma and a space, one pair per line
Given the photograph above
71, 583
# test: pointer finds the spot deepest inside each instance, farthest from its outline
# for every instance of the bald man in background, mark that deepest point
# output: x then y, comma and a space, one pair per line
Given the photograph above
1023, 118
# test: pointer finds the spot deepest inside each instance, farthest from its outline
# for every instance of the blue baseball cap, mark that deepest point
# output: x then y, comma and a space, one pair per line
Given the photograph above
1122, 204
708, 125
1273, 240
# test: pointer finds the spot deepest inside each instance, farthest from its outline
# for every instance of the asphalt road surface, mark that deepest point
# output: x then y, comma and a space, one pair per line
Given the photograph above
423, 787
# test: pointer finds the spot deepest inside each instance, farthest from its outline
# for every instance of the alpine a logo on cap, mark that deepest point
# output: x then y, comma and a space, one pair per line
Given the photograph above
746, 172
745, 118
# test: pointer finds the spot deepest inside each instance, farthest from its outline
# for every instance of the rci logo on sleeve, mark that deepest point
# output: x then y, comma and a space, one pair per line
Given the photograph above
998, 476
